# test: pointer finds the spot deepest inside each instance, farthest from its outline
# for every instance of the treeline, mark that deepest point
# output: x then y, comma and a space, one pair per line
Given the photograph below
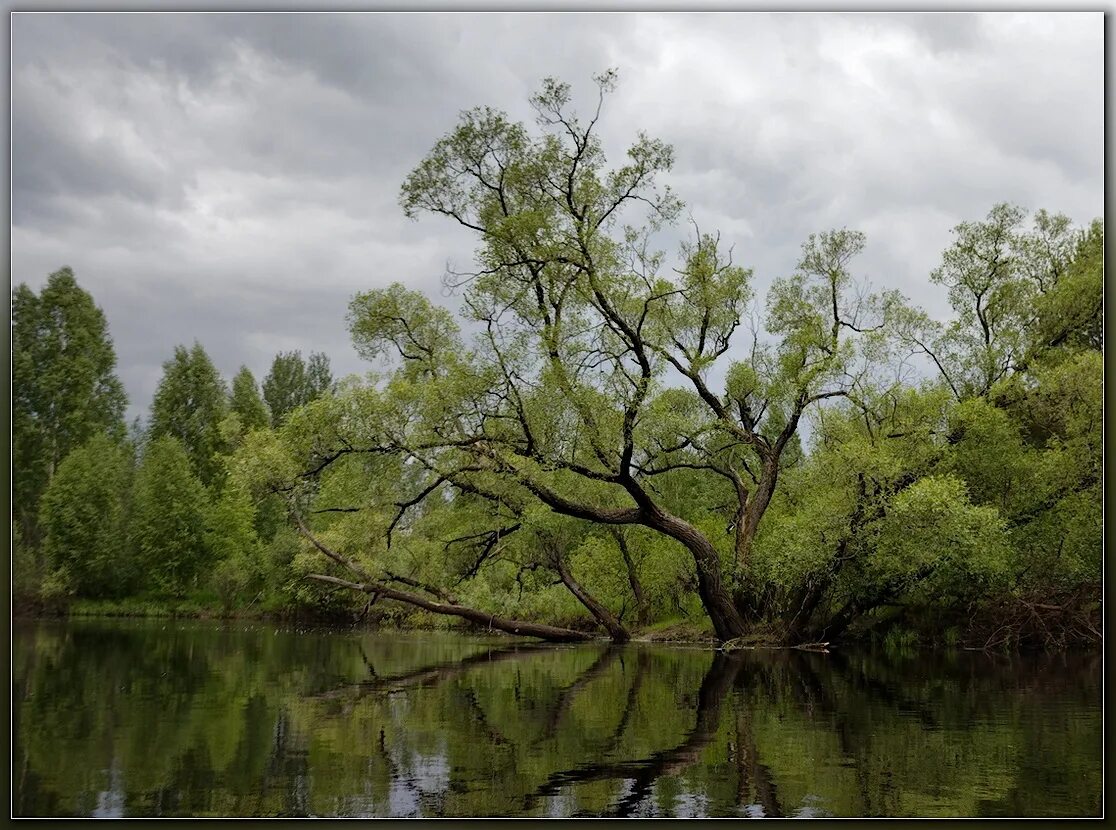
617, 443
101, 511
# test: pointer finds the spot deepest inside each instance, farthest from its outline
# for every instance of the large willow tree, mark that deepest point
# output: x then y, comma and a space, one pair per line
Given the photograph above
592, 373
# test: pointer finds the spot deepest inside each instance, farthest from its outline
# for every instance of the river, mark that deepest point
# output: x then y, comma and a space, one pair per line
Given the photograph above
197, 718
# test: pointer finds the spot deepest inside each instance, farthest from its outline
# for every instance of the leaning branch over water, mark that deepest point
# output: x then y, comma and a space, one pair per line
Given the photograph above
369, 585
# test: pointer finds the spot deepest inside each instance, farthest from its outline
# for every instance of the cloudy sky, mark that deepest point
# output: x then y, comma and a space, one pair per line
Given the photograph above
234, 178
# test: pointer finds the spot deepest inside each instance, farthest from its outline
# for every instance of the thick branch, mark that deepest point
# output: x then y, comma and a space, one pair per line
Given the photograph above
371, 586
511, 626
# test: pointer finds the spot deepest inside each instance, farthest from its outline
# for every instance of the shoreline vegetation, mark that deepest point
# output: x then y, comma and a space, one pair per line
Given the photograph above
604, 439
669, 631
676, 631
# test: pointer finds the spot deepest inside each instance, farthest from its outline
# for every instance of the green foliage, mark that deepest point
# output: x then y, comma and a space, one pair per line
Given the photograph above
982, 433
1069, 311
246, 403
26, 576
397, 321
189, 406
64, 390
83, 516
292, 383
933, 532
990, 297
234, 544
169, 519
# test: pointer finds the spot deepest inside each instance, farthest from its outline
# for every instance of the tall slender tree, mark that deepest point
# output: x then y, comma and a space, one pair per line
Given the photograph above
83, 519
189, 405
293, 382
64, 388
319, 378
246, 402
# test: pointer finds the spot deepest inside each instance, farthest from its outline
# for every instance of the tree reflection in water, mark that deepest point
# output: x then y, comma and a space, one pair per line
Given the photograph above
144, 719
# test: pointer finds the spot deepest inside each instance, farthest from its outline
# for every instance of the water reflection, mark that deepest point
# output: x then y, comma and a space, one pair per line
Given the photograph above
141, 719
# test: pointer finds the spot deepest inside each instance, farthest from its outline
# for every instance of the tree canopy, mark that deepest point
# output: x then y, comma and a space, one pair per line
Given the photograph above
591, 387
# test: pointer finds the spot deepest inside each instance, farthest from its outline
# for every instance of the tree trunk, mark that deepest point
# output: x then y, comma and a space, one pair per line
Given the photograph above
523, 628
642, 611
378, 588
753, 513
726, 618
752, 605
605, 617
806, 603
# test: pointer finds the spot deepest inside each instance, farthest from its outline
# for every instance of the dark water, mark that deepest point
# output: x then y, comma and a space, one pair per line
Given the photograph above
143, 718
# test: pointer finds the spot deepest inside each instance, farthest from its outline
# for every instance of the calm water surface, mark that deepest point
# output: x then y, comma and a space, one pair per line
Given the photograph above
143, 718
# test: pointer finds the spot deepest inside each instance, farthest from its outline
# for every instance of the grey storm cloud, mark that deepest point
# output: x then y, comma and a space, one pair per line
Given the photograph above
233, 178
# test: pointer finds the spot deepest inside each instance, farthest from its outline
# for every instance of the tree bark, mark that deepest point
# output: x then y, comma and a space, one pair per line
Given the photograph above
727, 620
642, 611
753, 512
601, 614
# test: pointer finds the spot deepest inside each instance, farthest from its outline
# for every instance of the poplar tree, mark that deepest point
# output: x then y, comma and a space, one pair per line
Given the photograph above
246, 401
292, 382
64, 388
189, 405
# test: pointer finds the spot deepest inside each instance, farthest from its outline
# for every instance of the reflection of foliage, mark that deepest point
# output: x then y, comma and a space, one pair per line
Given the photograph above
206, 720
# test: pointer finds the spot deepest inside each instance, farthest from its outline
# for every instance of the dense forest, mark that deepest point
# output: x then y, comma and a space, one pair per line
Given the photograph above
606, 438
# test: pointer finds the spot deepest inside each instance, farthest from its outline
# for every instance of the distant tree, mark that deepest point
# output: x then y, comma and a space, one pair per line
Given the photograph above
284, 384
292, 382
246, 401
1016, 292
319, 379
168, 521
235, 545
83, 518
189, 405
64, 389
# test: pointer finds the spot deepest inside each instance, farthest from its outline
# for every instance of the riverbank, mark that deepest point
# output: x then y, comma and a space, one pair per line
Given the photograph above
678, 630
997, 632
